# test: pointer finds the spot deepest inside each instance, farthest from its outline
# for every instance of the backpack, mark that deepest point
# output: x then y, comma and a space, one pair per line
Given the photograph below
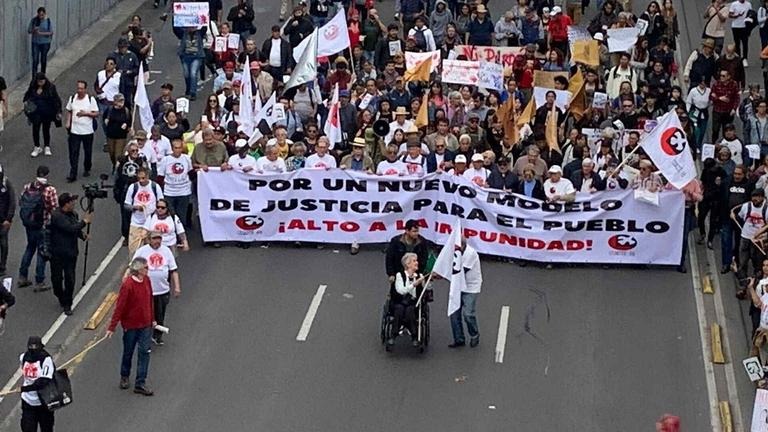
95, 123
421, 40
152, 184
32, 206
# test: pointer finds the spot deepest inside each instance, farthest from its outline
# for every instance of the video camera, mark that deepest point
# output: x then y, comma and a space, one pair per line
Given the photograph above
96, 190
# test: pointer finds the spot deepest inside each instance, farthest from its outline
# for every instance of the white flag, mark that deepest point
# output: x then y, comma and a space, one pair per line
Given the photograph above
246, 100
142, 102
667, 146
265, 113
332, 126
449, 265
306, 67
331, 38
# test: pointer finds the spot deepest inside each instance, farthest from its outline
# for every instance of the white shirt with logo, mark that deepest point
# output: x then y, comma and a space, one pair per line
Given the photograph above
320, 162
161, 263
161, 147
472, 272
740, 9
752, 221
175, 172
415, 166
81, 125
392, 169
30, 372
239, 163
559, 188
266, 166
144, 196
477, 176
170, 227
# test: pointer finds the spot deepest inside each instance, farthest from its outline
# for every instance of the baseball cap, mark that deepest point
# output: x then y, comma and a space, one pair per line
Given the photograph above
241, 143
343, 93
155, 234
556, 10
555, 169
66, 197
35, 343
477, 157
460, 159
255, 65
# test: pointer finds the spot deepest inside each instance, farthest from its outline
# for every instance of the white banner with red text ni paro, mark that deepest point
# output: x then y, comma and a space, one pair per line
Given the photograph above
339, 206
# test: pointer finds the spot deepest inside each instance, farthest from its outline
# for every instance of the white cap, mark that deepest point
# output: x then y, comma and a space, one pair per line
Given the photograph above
477, 157
460, 159
587, 162
598, 36
555, 169
545, 10
240, 129
241, 143
555, 10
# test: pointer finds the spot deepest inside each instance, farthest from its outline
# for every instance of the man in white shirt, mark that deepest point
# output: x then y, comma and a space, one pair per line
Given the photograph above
82, 111
159, 143
415, 162
163, 275
146, 151
557, 188
473, 277
242, 161
107, 85
173, 173
321, 159
140, 199
270, 163
391, 166
738, 13
477, 174
400, 123
751, 217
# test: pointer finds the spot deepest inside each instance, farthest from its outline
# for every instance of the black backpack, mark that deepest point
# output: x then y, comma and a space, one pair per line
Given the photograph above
32, 206
421, 40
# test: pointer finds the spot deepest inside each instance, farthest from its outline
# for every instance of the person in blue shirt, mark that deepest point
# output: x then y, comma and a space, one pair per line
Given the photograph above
529, 185
480, 30
41, 29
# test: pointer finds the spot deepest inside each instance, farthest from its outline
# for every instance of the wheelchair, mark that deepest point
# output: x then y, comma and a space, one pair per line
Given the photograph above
422, 311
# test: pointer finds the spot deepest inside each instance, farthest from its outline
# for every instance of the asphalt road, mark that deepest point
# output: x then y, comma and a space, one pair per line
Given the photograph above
587, 349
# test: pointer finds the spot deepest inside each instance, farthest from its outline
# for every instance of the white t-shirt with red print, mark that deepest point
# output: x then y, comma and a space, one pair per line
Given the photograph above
170, 227
146, 196
391, 169
161, 263
320, 162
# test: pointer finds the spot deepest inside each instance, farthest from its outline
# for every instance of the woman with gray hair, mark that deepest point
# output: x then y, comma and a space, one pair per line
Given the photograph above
403, 294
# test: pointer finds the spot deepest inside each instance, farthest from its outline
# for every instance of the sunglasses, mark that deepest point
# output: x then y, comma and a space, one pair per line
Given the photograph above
161, 208
628, 106
133, 151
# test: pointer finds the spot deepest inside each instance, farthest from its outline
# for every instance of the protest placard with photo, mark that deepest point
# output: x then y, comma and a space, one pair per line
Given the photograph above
192, 14
562, 97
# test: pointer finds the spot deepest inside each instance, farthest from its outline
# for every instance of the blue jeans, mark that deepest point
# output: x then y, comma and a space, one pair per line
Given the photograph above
141, 337
179, 205
730, 235
190, 66
467, 310
40, 57
34, 244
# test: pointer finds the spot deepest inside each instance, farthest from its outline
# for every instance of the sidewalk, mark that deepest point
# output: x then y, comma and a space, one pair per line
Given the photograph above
69, 55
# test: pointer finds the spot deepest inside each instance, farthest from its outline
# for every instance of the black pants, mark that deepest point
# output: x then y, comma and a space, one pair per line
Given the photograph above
404, 314
3, 249
46, 126
125, 222
711, 207
32, 416
719, 120
741, 39
74, 142
160, 306
63, 278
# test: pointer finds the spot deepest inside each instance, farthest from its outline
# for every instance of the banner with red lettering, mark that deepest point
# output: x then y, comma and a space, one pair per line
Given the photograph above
491, 54
338, 206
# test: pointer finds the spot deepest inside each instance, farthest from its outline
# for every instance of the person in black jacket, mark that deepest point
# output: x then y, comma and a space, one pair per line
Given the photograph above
241, 16
65, 229
117, 123
409, 241
529, 185
42, 105
502, 178
126, 174
7, 210
298, 27
587, 174
278, 55
713, 180
37, 370
6, 301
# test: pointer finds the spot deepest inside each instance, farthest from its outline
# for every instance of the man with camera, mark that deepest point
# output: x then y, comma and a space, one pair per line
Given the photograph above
65, 229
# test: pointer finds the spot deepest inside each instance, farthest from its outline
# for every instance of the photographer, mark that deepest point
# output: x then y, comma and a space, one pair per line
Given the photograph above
65, 229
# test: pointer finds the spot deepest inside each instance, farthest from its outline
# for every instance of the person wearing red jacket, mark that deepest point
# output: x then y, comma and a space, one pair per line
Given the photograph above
725, 101
134, 311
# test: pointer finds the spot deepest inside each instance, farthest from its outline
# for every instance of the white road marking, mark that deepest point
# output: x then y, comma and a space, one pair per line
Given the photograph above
306, 326
730, 376
78, 298
501, 336
709, 372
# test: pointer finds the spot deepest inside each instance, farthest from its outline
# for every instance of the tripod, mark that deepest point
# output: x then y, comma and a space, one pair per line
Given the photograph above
88, 209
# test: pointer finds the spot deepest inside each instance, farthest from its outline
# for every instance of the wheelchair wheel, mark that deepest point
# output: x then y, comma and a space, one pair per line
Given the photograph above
384, 327
425, 324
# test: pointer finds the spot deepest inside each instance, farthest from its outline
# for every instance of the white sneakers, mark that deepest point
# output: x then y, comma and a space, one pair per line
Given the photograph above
37, 150
745, 63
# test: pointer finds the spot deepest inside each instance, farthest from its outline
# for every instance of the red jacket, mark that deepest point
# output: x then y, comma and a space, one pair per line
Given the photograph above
558, 27
134, 308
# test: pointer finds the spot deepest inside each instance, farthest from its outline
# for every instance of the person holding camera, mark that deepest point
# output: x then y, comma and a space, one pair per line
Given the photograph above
65, 229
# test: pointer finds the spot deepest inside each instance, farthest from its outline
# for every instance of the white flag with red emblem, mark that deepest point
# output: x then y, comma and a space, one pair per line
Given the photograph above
449, 265
667, 146
332, 126
331, 38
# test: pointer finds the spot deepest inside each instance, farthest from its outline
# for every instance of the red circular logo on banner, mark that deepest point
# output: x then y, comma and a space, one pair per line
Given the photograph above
673, 141
249, 223
331, 32
622, 242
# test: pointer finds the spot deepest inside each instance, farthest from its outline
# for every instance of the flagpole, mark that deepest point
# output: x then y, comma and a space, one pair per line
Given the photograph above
351, 59
618, 168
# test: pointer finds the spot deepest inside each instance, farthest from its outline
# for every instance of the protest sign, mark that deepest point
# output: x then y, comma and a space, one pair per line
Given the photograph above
394, 47
413, 59
192, 14
754, 368
760, 412
220, 44
577, 33
622, 39
642, 27
707, 151
460, 72
491, 76
599, 100
562, 97
233, 41
547, 79
754, 151
337, 206
182, 105
491, 54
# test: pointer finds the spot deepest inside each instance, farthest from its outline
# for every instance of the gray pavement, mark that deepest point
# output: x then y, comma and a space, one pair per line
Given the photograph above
603, 350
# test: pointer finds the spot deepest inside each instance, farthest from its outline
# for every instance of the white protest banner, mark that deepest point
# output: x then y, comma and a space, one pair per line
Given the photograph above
754, 151
338, 206
622, 39
491, 76
412, 59
667, 146
219, 44
460, 72
562, 97
707, 151
233, 41
760, 412
754, 368
491, 54
192, 14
